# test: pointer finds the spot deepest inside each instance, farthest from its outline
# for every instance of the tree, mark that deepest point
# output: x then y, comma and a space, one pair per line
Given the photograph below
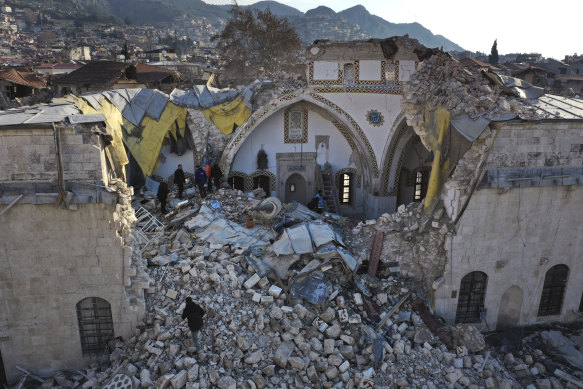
125, 52
127, 21
255, 41
493, 57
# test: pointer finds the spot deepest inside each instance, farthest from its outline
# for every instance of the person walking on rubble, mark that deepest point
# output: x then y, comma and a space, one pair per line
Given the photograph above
194, 313
216, 175
163, 195
179, 180
200, 180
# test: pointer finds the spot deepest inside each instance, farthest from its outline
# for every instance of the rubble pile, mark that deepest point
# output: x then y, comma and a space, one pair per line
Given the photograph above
440, 80
259, 332
420, 256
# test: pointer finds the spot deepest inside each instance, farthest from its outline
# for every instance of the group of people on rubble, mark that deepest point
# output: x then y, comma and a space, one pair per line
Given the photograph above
208, 176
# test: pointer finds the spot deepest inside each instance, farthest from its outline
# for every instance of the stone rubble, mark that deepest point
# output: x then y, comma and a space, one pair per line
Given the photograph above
256, 336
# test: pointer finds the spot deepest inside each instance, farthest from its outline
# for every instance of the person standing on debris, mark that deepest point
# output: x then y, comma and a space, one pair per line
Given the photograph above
163, 195
200, 180
320, 198
194, 313
216, 175
207, 170
179, 180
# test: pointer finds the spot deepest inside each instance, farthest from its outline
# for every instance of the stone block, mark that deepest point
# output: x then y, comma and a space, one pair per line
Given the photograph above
251, 282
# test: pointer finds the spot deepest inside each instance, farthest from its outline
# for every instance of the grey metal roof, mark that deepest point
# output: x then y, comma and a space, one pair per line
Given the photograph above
50, 113
558, 107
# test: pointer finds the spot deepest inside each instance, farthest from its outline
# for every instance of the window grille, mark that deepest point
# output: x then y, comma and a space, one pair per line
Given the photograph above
345, 193
236, 182
470, 305
263, 182
348, 74
418, 185
95, 325
551, 300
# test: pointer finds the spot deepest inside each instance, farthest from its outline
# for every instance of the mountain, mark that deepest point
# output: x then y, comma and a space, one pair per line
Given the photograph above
318, 23
281, 10
378, 27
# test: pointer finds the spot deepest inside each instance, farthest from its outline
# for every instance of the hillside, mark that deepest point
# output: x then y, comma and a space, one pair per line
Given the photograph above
318, 23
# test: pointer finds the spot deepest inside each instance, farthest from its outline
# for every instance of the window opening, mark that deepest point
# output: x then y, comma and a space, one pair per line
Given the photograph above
95, 325
418, 185
348, 74
551, 300
292, 187
263, 182
581, 304
345, 192
236, 182
470, 305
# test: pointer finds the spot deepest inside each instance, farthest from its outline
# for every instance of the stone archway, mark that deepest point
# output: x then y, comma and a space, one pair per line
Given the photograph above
350, 129
510, 308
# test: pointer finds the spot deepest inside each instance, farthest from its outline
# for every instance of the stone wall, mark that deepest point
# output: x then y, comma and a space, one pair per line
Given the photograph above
537, 144
52, 259
515, 236
29, 154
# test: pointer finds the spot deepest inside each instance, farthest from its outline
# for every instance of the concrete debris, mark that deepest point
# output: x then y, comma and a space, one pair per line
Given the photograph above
310, 326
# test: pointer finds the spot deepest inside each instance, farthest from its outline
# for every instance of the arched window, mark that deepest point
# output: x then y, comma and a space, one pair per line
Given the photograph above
237, 182
551, 299
95, 325
470, 304
346, 189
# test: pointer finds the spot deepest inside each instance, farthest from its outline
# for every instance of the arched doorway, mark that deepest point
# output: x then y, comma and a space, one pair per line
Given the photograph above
470, 304
415, 168
295, 189
95, 325
510, 308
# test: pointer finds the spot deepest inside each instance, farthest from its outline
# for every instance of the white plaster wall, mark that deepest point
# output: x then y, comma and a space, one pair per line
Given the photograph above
173, 160
370, 70
270, 134
325, 70
515, 236
358, 104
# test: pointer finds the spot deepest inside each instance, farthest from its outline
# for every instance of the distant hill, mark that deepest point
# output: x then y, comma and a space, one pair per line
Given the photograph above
276, 8
318, 23
378, 27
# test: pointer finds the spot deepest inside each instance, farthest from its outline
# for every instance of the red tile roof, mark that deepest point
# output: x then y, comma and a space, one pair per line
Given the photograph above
22, 78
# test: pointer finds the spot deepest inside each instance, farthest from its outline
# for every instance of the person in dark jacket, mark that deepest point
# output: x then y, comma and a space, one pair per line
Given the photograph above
200, 179
194, 313
179, 180
216, 174
163, 195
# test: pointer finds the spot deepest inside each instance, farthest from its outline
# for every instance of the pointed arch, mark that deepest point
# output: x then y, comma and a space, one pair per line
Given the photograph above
393, 155
340, 118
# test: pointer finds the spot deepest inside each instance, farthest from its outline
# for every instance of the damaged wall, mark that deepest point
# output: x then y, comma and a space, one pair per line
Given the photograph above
519, 223
52, 258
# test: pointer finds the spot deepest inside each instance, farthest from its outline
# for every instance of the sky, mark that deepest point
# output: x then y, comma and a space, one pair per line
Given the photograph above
523, 26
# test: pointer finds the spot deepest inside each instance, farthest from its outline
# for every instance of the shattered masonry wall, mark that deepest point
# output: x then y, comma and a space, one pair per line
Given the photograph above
52, 259
516, 235
30, 155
